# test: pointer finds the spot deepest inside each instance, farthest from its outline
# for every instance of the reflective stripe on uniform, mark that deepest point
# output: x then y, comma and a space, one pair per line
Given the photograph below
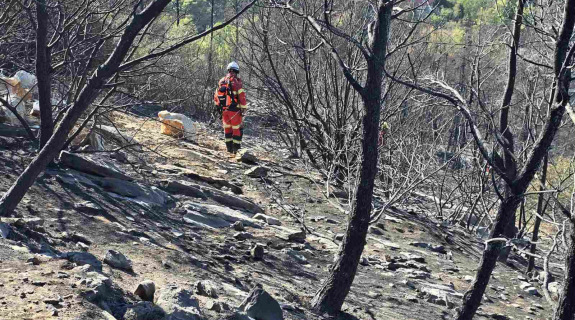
243, 106
241, 90
237, 141
227, 125
229, 140
236, 127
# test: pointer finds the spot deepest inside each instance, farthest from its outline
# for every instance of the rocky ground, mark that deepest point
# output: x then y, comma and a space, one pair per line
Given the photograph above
222, 239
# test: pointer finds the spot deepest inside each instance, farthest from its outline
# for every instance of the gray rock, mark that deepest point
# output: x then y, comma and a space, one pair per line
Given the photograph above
532, 291
298, 257
260, 305
84, 258
239, 226
78, 237
469, 278
269, 220
179, 304
429, 246
144, 311
146, 290
217, 306
375, 230
88, 207
440, 290
82, 246
439, 300
413, 257
246, 156
203, 288
257, 252
256, 172
237, 316
339, 236
92, 165
298, 236
214, 216
243, 236
97, 286
117, 260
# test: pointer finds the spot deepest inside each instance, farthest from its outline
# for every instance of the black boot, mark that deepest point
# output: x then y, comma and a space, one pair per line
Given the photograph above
230, 146
237, 147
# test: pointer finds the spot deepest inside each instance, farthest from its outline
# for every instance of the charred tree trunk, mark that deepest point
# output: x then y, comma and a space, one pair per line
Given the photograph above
89, 93
566, 306
518, 186
43, 73
540, 212
508, 143
472, 298
330, 297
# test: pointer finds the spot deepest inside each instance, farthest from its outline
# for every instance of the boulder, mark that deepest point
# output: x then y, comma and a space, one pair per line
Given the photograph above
117, 260
246, 156
79, 237
97, 287
144, 311
243, 236
257, 172
146, 290
84, 258
238, 226
178, 303
91, 166
257, 252
204, 288
177, 187
217, 306
260, 305
269, 220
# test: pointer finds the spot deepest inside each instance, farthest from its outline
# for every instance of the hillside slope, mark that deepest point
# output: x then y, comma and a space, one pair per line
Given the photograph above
172, 206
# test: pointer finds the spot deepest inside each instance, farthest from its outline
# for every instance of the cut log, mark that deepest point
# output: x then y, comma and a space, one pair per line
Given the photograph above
88, 166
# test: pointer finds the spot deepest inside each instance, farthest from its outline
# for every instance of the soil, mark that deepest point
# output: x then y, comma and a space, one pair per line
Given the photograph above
167, 250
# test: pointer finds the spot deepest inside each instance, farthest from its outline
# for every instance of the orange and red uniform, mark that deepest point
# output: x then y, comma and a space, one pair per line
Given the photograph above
231, 96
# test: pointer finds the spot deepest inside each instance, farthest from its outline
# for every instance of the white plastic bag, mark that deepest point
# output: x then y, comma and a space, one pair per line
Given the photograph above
174, 119
27, 80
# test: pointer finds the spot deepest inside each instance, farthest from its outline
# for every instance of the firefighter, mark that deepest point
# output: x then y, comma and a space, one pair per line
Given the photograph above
231, 98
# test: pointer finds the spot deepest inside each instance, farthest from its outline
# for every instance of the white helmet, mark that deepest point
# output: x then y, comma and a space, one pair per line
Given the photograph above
233, 66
